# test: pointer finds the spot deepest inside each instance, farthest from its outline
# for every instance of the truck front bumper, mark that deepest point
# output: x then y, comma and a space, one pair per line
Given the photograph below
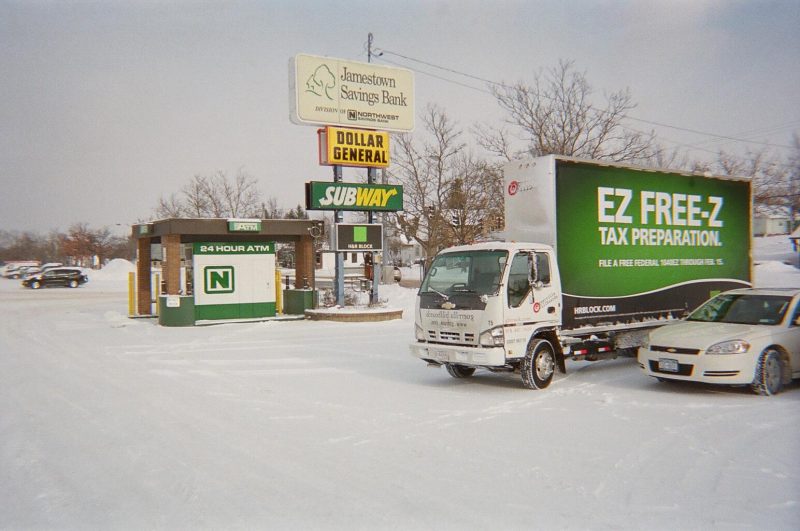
463, 355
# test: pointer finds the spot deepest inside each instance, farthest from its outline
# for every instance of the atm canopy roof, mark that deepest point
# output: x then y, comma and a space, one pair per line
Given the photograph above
204, 229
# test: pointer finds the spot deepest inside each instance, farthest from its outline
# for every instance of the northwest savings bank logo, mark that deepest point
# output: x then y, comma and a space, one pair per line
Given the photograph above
218, 279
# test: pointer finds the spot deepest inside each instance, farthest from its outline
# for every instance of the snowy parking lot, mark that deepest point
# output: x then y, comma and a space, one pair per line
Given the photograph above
113, 423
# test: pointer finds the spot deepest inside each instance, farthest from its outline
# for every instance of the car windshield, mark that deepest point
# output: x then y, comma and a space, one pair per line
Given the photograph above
476, 272
745, 308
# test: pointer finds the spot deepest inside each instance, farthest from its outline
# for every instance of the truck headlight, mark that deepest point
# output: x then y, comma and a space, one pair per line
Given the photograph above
419, 333
737, 346
494, 337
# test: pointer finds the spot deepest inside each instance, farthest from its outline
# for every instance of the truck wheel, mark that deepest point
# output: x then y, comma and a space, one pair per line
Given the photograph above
459, 371
769, 373
539, 364
73, 283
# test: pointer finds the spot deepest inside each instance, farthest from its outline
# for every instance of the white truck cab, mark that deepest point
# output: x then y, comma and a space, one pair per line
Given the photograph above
494, 305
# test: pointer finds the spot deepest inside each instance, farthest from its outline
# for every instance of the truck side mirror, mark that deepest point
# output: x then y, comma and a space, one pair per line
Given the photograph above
539, 273
533, 271
543, 268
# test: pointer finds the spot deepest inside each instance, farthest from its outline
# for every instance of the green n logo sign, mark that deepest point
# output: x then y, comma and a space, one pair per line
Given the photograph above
218, 279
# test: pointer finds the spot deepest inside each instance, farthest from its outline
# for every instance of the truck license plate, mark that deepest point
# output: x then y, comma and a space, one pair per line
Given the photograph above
667, 365
441, 355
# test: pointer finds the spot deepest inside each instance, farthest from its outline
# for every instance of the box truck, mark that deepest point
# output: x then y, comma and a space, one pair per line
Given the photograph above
594, 255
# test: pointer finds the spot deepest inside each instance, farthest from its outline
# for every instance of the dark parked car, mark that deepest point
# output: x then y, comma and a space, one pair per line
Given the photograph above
60, 276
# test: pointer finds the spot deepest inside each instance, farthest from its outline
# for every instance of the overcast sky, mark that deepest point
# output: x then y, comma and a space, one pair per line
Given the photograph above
106, 106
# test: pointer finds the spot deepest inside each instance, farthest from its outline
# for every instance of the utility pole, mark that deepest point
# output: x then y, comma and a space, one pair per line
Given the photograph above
372, 178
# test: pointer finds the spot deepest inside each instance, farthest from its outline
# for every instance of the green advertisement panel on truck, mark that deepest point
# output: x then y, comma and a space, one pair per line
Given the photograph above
595, 254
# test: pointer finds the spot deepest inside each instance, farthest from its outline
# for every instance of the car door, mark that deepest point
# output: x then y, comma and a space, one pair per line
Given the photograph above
61, 277
48, 278
790, 337
526, 303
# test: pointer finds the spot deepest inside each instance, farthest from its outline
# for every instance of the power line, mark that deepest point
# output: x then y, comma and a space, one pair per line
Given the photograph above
502, 85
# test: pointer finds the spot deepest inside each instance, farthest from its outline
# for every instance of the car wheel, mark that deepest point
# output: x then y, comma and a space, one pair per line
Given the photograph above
73, 283
459, 371
769, 373
36, 284
539, 364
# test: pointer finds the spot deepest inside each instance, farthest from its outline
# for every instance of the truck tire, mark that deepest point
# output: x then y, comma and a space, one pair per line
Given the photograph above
539, 364
769, 373
459, 371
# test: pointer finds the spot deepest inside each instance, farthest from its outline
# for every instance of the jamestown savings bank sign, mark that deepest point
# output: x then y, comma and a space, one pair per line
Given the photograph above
328, 91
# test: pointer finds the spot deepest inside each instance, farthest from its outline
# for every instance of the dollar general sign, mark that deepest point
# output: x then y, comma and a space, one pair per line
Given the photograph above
353, 147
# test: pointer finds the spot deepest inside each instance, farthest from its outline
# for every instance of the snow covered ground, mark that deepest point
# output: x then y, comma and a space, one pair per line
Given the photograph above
112, 423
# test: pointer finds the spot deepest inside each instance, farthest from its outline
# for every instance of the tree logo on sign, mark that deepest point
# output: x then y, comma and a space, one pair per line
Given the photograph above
321, 81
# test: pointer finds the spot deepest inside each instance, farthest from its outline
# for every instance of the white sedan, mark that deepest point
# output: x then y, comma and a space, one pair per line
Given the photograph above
744, 336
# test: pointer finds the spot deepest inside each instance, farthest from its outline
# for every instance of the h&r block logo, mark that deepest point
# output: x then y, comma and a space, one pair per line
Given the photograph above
218, 279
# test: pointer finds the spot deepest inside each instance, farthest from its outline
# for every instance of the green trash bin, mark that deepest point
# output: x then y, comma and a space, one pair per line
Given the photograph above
297, 301
176, 310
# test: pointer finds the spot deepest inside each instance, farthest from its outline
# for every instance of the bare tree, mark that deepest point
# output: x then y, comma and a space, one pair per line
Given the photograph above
555, 115
215, 196
446, 190
475, 200
271, 210
776, 181
84, 245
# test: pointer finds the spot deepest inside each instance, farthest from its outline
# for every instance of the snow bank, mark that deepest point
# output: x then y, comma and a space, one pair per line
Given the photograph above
112, 277
774, 248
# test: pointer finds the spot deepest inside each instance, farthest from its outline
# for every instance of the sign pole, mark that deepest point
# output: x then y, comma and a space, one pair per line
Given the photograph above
338, 217
372, 177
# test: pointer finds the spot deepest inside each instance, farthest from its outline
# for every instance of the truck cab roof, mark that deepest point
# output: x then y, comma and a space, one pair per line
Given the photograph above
500, 246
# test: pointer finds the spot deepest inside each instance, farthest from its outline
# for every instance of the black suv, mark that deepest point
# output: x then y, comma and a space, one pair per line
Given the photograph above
59, 276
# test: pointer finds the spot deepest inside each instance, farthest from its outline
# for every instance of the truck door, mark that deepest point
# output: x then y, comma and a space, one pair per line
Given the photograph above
531, 294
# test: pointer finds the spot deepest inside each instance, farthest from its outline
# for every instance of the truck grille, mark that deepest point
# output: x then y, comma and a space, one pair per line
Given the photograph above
456, 338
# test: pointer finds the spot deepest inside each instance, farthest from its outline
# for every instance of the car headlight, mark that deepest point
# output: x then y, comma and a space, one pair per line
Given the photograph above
419, 333
494, 337
737, 346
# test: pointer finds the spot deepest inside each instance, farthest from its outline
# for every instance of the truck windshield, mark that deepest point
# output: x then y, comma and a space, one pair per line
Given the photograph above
476, 272
743, 309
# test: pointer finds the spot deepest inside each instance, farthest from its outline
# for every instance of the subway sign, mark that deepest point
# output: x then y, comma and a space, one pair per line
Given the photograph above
352, 196
353, 147
363, 237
